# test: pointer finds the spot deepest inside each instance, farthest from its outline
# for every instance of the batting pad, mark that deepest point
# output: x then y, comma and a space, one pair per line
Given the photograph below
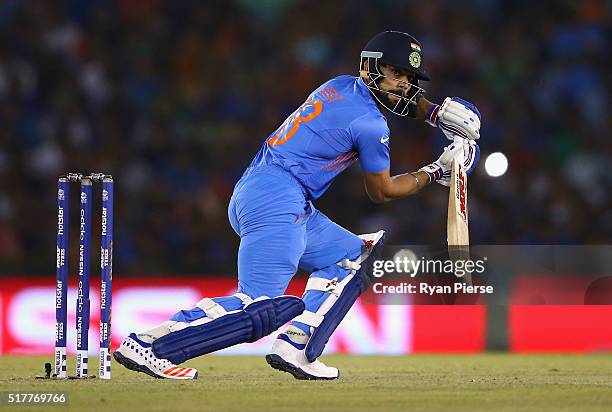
342, 297
256, 320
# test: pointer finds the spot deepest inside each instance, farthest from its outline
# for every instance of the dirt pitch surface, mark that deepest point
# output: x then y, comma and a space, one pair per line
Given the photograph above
489, 382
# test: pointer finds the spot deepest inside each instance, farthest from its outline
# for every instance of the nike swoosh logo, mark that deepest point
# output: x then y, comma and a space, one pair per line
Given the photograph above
384, 139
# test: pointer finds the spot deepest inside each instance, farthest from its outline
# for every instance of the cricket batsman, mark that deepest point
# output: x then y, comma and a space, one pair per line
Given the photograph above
280, 229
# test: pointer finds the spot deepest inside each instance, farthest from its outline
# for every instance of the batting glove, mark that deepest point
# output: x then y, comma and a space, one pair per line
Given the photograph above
465, 151
470, 156
436, 170
455, 117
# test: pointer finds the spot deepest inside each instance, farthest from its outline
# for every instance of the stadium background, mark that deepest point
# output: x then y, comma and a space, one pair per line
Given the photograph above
175, 98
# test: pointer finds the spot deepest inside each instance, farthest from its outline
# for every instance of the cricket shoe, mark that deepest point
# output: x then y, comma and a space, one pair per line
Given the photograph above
286, 357
138, 356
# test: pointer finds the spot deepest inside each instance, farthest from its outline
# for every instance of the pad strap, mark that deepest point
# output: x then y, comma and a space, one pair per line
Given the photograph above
322, 284
246, 299
309, 318
349, 264
212, 309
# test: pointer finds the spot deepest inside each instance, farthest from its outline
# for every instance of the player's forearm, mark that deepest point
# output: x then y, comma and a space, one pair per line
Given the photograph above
403, 185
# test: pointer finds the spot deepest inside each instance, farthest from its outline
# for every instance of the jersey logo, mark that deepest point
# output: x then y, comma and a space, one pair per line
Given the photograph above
305, 113
330, 94
384, 139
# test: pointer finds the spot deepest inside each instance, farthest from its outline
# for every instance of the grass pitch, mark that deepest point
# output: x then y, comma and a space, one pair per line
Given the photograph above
489, 382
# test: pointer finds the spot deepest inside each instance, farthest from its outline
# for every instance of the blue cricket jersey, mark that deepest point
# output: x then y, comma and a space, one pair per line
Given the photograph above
338, 124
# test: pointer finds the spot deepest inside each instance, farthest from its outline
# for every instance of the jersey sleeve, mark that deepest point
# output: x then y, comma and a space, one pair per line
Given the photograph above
371, 139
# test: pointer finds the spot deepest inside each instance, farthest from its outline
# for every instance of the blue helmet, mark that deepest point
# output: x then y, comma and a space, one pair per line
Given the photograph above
400, 50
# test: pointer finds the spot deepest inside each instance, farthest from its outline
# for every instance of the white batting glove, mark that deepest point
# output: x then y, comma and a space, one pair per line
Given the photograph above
455, 117
469, 157
436, 170
465, 151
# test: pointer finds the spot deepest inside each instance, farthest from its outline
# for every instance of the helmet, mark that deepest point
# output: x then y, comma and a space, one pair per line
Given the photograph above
400, 50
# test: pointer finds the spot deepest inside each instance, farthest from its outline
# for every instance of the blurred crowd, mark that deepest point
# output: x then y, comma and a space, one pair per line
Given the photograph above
174, 98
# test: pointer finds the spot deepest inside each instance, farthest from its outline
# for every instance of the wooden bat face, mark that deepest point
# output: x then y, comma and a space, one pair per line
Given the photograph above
457, 225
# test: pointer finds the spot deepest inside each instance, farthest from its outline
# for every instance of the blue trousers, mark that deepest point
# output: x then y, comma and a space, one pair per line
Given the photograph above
281, 231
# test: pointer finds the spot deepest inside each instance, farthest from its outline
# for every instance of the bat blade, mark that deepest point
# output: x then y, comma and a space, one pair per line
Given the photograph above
458, 236
457, 225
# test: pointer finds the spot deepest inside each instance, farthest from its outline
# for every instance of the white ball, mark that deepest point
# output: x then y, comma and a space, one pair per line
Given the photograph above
496, 164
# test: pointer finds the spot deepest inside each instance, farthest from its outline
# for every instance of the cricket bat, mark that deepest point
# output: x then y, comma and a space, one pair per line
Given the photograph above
458, 236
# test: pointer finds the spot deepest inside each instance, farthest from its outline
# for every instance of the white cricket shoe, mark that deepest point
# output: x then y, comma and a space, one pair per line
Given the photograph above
287, 358
138, 356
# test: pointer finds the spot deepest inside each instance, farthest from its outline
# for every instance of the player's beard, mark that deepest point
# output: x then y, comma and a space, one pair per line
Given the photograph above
389, 100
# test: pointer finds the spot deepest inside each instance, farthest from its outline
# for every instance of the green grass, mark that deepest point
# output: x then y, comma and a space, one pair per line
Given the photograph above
490, 382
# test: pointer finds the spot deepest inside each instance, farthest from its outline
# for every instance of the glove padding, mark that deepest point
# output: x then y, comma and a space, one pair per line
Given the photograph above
465, 151
456, 117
